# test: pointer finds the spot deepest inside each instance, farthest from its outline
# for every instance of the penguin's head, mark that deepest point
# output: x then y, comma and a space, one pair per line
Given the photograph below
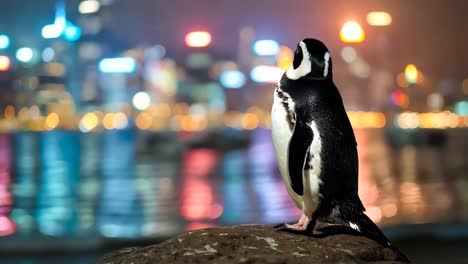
311, 61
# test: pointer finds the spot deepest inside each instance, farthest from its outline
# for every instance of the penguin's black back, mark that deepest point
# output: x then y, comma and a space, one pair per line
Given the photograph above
320, 101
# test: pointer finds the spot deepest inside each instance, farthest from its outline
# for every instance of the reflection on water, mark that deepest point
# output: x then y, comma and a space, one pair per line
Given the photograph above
7, 227
128, 183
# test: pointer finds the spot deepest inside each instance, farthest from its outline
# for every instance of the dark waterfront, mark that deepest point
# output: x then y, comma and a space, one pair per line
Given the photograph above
128, 185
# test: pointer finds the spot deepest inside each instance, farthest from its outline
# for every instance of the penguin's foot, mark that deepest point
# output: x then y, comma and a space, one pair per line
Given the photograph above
299, 228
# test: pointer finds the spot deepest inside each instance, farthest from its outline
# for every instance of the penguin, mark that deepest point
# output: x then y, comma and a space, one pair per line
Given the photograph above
316, 148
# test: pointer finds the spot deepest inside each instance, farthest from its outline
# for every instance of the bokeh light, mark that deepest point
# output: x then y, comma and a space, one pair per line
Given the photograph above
88, 122
266, 47
461, 108
379, 19
285, 57
89, 6
48, 54
120, 120
52, 121
411, 73
71, 32
232, 79
52, 31
141, 100
348, 54
399, 98
144, 121
266, 74
117, 65
4, 41
4, 63
24, 54
198, 39
352, 32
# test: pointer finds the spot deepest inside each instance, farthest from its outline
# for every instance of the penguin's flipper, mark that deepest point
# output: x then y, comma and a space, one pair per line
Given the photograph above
297, 154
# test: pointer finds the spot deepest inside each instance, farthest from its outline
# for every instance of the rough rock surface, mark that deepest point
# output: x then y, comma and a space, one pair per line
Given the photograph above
255, 244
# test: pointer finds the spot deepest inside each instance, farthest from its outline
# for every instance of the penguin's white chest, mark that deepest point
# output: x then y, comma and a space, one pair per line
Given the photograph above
281, 134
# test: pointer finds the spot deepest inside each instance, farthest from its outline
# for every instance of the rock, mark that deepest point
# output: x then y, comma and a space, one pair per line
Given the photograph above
255, 244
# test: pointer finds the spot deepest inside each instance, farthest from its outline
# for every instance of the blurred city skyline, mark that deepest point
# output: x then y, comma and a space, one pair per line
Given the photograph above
429, 34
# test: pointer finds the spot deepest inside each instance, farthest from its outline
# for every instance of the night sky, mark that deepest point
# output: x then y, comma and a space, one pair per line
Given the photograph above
429, 33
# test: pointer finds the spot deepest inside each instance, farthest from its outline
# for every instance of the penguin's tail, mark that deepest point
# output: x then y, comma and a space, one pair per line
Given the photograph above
365, 226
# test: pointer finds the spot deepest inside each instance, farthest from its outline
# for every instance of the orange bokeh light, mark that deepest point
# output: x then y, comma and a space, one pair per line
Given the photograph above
285, 57
4, 63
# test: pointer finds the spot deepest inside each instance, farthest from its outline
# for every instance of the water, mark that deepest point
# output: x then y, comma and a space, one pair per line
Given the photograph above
77, 190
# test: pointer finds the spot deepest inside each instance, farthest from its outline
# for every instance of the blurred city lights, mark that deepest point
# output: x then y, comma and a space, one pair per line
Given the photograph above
461, 108
348, 54
71, 32
399, 98
52, 121
401, 80
88, 122
144, 120
266, 47
285, 57
265, 73
48, 54
411, 73
379, 19
4, 41
52, 31
120, 120
440, 120
9, 112
108, 121
117, 65
367, 119
89, 6
7, 226
4, 63
352, 32
408, 120
232, 79
250, 121
198, 39
141, 100
24, 54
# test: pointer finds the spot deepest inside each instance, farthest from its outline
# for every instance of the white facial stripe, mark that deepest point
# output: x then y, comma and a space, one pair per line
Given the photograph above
304, 68
326, 58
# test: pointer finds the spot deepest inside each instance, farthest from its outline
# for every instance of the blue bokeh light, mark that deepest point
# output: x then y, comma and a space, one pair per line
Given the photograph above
117, 65
266, 47
232, 79
71, 32
4, 42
